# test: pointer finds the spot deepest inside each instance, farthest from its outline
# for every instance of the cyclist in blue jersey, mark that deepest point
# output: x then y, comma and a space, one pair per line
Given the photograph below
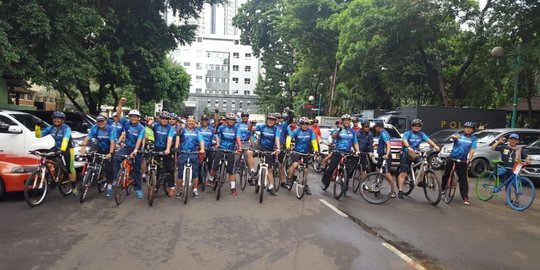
118, 122
365, 143
189, 139
384, 152
245, 133
133, 135
105, 136
207, 134
283, 125
61, 134
305, 141
268, 141
226, 139
164, 134
345, 140
463, 150
411, 141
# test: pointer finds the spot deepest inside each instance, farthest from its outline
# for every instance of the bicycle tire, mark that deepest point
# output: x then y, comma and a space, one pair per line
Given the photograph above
245, 177
241, 179
408, 185
262, 181
277, 180
130, 183
432, 188
451, 187
317, 164
85, 183
101, 180
339, 185
526, 190
356, 179
204, 174
151, 187
300, 184
485, 186
30, 185
374, 187
119, 188
187, 185
287, 162
222, 177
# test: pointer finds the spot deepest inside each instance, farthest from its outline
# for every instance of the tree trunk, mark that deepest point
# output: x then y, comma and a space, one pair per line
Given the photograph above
115, 97
73, 100
332, 90
434, 77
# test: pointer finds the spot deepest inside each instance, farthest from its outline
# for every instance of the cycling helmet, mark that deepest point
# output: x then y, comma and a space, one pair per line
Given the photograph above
346, 116
230, 116
164, 114
304, 121
59, 114
379, 124
134, 112
315, 120
417, 122
173, 116
355, 119
245, 113
114, 114
513, 136
470, 125
364, 122
101, 118
204, 117
271, 116
278, 115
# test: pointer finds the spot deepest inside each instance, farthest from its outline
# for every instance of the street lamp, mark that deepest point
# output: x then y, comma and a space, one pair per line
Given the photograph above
498, 52
311, 98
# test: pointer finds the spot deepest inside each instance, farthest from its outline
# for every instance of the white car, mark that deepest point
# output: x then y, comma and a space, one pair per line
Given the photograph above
17, 135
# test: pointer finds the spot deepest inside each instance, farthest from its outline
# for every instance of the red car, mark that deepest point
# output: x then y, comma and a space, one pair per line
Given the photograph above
14, 170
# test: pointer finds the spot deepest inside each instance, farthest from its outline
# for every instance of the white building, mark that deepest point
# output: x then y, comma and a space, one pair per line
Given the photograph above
223, 72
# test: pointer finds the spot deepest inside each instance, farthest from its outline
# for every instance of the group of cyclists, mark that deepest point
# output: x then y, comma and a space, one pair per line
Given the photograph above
229, 136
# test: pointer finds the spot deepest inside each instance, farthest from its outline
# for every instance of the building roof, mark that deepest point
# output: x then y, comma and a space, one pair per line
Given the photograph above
522, 105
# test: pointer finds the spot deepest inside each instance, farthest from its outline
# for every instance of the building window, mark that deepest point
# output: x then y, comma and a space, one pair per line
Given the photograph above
235, 67
240, 105
236, 42
235, 80
236, 55
247, 81
248, 55
247, 93
247, 69
199, 66
199, 39
235, 92
187, 64
198, 90
198, 78
225, 92
29, 97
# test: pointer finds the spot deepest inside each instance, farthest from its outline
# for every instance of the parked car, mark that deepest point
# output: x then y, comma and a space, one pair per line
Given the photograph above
533, 150
483, 154
77, 121
440, 138
14, 170
17, 135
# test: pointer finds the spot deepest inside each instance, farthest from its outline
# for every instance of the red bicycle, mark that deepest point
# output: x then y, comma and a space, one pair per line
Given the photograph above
124, 180
451, 185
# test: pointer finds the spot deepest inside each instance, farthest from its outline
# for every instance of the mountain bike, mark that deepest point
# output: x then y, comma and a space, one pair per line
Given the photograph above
422, 170
205, 168
340, 177
520, 191
376, 188
263, 174
318, 159
222, 171
187, 173
92, 175
156, 174
242, 170
50, 172
301, 174
451, 185
357, 174
124, 180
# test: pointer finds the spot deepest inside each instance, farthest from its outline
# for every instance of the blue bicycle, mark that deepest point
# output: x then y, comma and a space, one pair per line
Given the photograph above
520, 191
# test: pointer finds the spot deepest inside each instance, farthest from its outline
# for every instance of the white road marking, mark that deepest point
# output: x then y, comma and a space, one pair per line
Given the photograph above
333, 208
402, 255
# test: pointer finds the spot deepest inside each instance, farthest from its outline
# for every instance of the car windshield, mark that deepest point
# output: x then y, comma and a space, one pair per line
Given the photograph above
28, 120
443, 134
535, 144
486, 136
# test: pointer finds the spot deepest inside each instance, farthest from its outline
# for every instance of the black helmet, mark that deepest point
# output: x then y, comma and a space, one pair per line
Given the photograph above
364, 122
379, 124
417, 122
470, 125
244, 113
204, 117
355, 119
59, 114
164, 114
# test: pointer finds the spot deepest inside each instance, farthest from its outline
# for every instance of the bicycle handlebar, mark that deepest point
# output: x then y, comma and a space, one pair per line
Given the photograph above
45, 155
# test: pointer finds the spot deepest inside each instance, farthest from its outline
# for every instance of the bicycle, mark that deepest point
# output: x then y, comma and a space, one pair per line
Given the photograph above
187, 173
37, 185
301, 174
376, 188
340, 177
204, 168
518, 188
221, 172
156, 175
92, 175
124, 180
451, 185
242, 170
262, 174
422, 169
357, 174
318, 159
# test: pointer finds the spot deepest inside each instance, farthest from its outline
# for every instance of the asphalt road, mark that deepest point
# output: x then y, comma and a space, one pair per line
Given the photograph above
282, 233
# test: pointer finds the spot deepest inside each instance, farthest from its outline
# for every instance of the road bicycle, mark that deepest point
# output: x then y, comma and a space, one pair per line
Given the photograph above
92, 175
156, 174
451, 185
221, 173
50, 173
124, 183
300, 174
357, 174
376, 187
340, 176
429, 180
520, 191
262, 181
187, 173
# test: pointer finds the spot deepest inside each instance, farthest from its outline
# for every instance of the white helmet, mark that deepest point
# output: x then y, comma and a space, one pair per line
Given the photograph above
134, 112
114, 114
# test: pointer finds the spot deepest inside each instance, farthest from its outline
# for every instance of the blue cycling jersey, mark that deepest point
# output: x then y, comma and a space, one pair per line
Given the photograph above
463, 146
283, 131
365, 141
302, 139
414, 139
60, 135
133, 133
245, 134
207, 135
345, 139
227, 137
104, 137
384, 137
161, 134
268, 136
119, 127
189, 139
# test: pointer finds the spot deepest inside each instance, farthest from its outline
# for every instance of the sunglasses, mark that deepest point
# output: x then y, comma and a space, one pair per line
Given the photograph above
365, 126
417, 125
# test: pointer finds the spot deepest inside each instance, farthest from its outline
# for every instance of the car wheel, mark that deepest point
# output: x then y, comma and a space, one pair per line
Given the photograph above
478, 166
435, 162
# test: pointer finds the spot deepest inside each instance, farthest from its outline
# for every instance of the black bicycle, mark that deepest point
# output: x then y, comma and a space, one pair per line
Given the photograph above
242, 170
92, 175
222, 171
376, 187
157, 175
300, 174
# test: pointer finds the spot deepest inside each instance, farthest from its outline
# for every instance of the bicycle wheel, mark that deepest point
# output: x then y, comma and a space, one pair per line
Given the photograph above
432, 187
119, 188
277, 180
204, 175
450, 188
241, 180
263, 176
129, 184
408, 185
520, 194
287, 164
36, 188
356, 179
151, 187
187, 184
376, 188
301, 184
485, 186
221, 180
100, 179
317, 164
339, 185
84, 185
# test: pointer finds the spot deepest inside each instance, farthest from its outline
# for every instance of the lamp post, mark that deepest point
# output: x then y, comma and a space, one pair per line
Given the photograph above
312, 98
498, 52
